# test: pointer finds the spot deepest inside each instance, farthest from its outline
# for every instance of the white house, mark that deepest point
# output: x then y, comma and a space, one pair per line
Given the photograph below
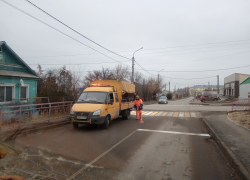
245, 89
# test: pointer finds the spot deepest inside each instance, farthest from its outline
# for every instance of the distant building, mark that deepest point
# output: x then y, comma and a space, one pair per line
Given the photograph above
18, 82
232, 82
245, 89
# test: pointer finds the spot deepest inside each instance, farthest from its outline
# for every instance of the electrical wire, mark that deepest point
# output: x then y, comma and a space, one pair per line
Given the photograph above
58, 30
193, 52
201, 44
66, 55
75, 30
203, 70
199, 59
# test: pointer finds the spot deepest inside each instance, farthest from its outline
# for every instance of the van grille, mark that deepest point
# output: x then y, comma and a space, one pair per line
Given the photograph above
82, 113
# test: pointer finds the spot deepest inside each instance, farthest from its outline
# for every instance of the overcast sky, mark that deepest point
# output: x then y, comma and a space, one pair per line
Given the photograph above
188, 35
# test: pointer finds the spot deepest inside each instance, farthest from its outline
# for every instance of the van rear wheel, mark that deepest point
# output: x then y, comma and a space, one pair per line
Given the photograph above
126, 114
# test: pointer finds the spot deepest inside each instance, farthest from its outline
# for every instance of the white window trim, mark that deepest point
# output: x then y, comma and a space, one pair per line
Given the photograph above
13, 85
27, 93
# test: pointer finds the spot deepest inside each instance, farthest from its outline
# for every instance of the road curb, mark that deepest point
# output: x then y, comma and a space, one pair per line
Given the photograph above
235, 163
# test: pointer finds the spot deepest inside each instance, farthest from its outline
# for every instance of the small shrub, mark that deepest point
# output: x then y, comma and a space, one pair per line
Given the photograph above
169, 96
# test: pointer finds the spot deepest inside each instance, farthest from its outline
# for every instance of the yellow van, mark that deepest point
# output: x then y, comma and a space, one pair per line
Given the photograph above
103, 101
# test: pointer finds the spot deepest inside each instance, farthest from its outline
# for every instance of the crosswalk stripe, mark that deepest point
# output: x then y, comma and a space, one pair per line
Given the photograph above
148, 113
154, 113
158, 114
164, 114
144, 112
170, 114
187, 114
181, 114
175, 114
193, 114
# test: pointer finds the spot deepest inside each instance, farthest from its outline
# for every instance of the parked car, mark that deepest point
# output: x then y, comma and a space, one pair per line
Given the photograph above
209, 98
163, 100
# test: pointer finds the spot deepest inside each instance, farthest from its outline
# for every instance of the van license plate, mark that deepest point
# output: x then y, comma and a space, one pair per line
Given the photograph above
81, 117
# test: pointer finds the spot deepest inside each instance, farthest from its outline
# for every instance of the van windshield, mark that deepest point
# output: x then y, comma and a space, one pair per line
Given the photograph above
93, 97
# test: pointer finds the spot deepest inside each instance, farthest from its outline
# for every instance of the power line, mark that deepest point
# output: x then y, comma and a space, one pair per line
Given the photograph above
201, 44
130, 51
75, 30
203, 70
200, 59
192, 52
58, 30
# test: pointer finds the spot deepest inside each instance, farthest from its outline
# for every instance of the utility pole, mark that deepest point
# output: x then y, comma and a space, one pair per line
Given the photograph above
159, 79
133, 65
218, 90
169, 86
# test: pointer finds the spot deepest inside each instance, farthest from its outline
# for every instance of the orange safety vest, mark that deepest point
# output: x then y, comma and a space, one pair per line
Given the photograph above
138, 103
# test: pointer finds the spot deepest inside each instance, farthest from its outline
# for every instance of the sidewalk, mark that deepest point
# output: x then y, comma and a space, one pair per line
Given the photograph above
232, 139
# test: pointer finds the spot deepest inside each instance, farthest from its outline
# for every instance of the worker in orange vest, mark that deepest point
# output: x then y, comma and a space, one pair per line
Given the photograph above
138, 104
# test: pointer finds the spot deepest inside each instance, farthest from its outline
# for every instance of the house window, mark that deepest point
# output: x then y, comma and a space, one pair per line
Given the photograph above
6, 93
24, 93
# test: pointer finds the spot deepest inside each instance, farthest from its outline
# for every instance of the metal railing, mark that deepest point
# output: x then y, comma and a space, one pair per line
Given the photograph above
18, 116
240, 104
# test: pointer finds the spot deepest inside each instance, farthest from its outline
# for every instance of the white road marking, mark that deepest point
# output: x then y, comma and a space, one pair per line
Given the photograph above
192, 114
181, 114
160, 113
96, 159
148, 113
170, 114
174, 132
184, 105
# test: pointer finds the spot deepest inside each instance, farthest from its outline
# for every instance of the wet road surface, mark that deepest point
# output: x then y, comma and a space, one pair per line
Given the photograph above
124, 152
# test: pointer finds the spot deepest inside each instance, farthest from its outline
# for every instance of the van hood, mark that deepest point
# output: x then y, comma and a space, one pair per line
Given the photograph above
86, 107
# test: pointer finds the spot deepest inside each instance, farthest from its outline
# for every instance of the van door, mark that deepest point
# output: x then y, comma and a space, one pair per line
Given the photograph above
111, 105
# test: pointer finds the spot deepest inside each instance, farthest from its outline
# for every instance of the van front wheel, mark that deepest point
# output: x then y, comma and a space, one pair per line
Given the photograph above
106, 123
75, 125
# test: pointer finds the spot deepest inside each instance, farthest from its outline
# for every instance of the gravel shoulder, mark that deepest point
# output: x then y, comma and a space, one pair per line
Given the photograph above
242, 118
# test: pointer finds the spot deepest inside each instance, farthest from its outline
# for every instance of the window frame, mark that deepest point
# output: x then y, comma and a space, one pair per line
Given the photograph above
27, 93
116, 97
13, 85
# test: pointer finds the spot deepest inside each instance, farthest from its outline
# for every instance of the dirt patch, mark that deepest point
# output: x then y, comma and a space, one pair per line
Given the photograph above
242, 118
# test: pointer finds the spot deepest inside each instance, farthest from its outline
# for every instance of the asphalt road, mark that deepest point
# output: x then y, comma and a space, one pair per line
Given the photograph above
160, 148
183, 105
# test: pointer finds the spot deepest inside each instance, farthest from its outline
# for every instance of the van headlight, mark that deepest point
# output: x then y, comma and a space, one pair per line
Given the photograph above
98, 112
71, 111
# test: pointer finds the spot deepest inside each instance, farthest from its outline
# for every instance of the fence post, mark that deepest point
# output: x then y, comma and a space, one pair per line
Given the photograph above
249, 104
20, 109
1, 117
232, 105
49, 111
